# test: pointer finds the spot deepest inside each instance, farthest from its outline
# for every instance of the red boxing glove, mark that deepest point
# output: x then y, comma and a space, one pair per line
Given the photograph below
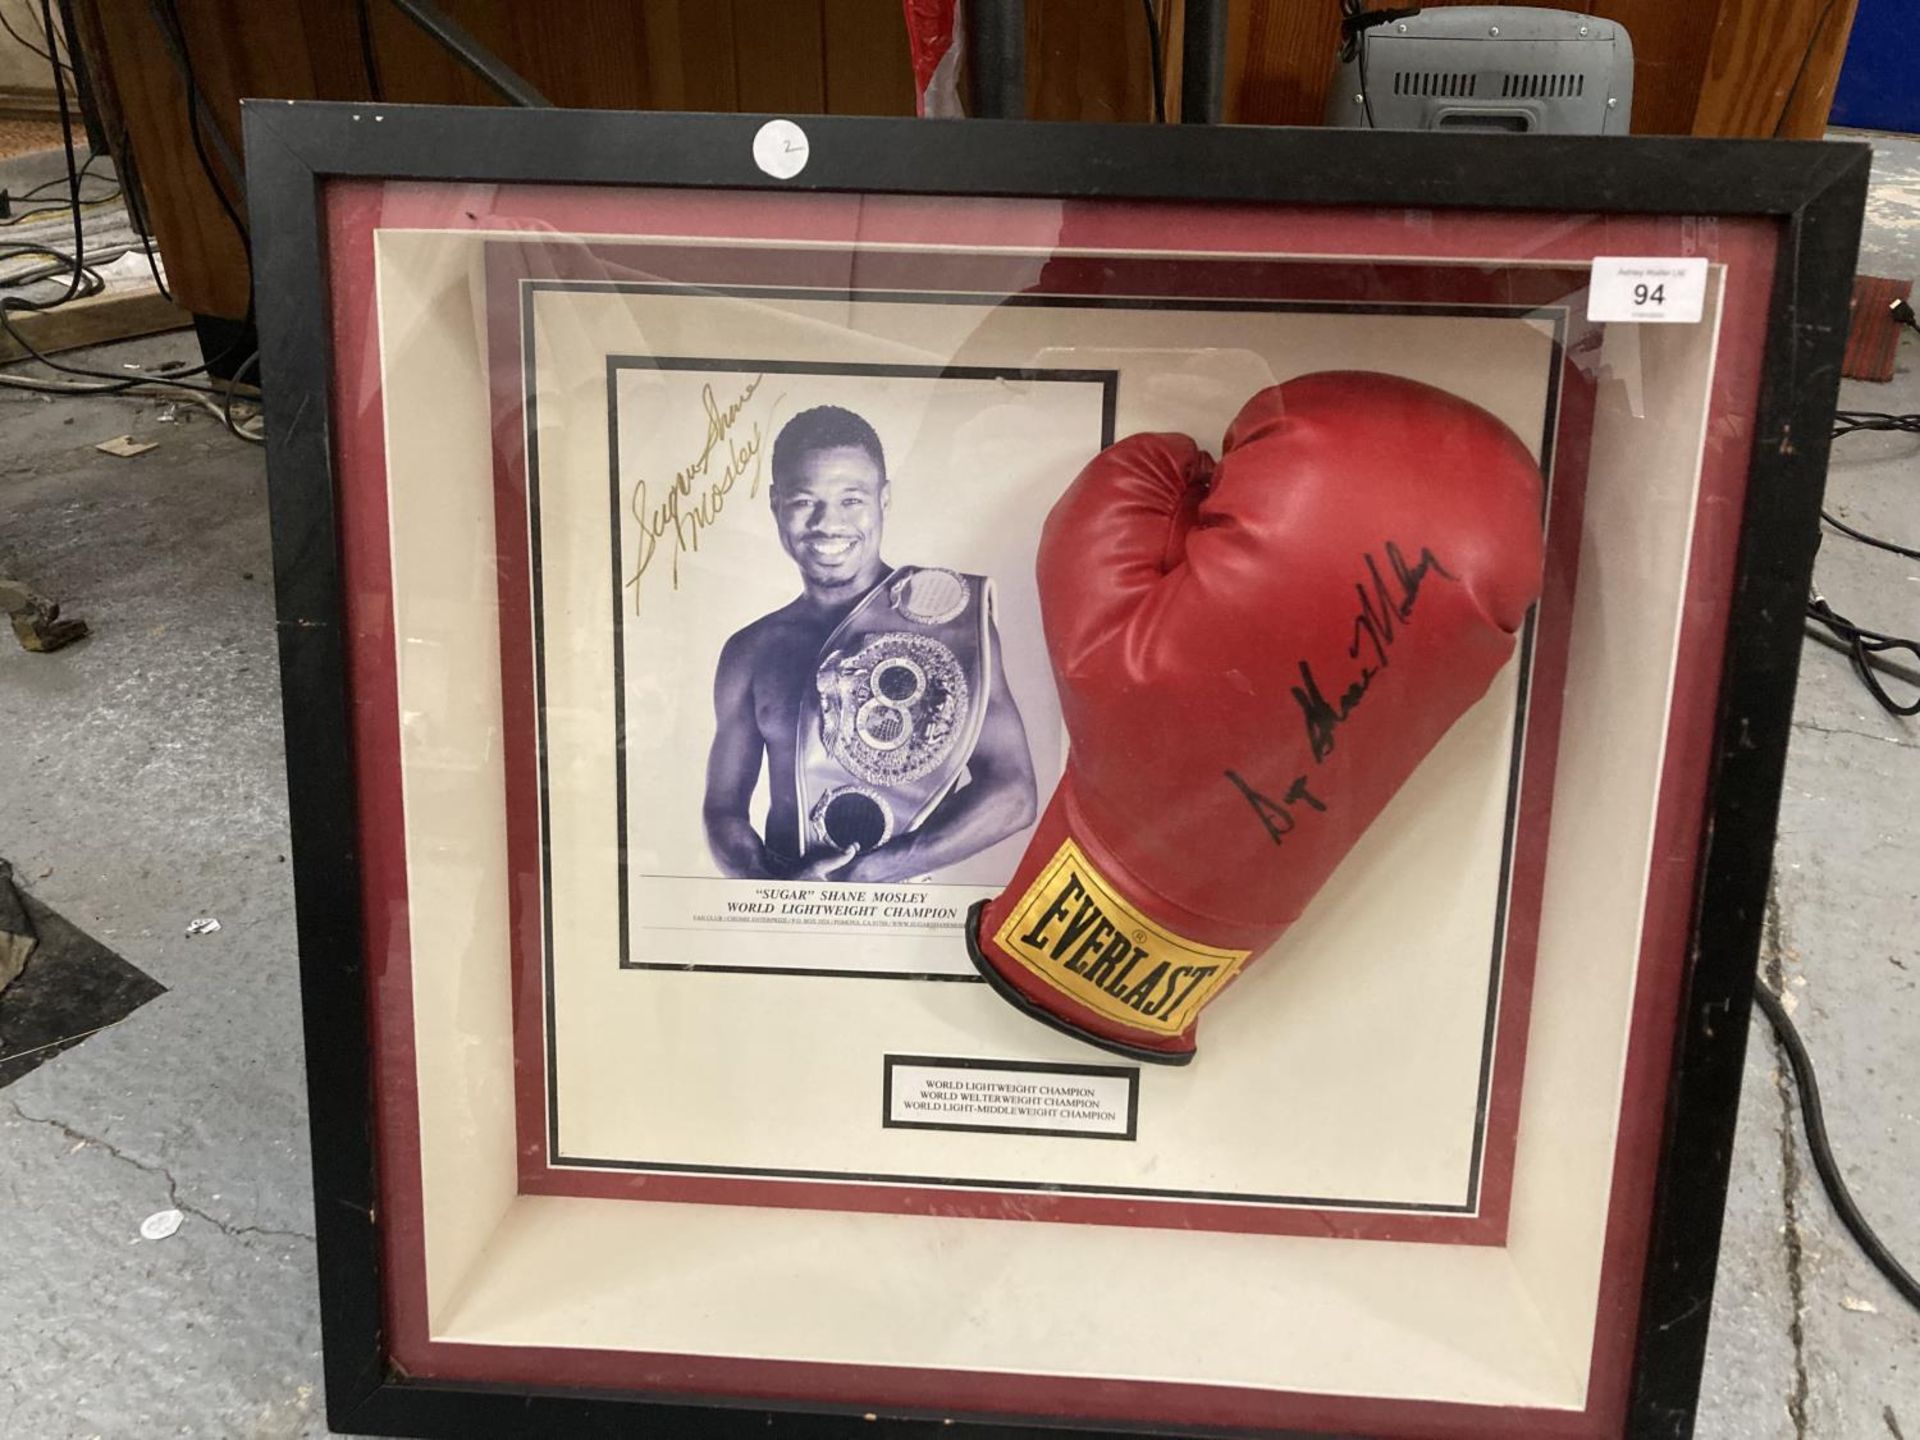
1252, 657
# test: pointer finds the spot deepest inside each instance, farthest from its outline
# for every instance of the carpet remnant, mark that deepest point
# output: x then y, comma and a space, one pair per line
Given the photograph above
71, 987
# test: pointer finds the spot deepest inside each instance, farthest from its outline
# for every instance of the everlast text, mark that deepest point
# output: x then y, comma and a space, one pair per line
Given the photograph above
1079, 935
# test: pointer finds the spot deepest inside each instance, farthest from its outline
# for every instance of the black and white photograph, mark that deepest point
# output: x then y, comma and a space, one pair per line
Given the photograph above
877, 696
839, 560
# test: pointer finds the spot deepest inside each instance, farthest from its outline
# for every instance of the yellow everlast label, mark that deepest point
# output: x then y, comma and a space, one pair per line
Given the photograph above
1077, 933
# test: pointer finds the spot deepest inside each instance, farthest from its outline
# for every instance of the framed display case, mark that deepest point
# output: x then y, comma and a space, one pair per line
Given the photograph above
654, 1086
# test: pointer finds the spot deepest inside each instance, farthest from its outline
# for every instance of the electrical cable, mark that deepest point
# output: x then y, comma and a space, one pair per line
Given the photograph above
1865, 539
157, 388
1153, 59
157, 385
80, 280
1879, 662
153, 267
109, 382
73, 179
176, 36
1852, 422
136, 211
1813, 1114
195, 99
92, 160
83, 281
226, 403
29, 247
26, 215
52, 58
1353, 46
1867, 650
1355, 21
91, 282
1901, 309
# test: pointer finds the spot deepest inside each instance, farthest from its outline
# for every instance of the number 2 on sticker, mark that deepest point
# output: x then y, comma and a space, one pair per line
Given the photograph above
1642, 295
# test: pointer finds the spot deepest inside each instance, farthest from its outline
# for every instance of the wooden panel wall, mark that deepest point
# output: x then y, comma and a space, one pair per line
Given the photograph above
1670, 47
846, 57
1088, 60
1772, 67
1717, 67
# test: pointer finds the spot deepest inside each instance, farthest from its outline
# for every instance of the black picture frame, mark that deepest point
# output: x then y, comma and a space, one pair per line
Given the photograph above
1813, 191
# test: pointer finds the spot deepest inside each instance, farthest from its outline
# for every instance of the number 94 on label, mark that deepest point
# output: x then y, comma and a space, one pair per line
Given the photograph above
1653, 290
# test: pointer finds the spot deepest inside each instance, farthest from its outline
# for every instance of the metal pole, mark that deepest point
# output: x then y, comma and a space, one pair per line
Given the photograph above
1203, 63
996, 58
461, 44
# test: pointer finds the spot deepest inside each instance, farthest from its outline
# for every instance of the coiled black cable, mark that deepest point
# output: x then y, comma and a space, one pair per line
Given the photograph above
1815, 1117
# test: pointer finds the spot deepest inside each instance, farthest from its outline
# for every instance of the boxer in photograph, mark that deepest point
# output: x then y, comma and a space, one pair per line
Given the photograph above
876, 697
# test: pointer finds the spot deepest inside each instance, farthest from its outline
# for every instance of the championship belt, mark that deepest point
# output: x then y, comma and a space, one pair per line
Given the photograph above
901, 691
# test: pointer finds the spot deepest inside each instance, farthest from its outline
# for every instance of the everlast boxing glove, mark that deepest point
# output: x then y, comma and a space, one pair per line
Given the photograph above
1252, 656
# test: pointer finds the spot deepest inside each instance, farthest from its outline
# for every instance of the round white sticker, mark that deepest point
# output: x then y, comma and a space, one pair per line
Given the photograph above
161, 1224
780, 149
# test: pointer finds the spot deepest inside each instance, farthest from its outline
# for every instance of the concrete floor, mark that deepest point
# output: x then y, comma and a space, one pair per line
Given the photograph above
141, 786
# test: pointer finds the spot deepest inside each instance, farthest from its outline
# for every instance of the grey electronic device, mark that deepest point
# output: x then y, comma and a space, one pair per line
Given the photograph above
1484, 67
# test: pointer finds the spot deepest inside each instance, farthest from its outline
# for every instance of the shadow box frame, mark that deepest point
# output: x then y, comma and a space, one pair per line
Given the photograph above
1810, 194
